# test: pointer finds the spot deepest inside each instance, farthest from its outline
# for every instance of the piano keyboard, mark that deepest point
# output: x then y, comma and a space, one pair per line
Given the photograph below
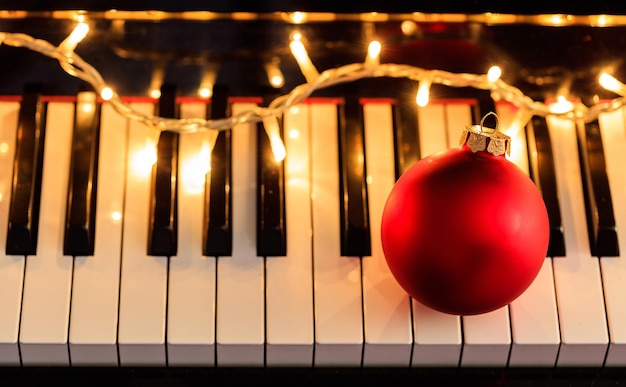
311, 307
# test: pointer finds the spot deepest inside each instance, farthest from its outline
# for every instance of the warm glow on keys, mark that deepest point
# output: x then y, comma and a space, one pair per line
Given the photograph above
4, 148
195, 169
144, 159
294, 133
116, 216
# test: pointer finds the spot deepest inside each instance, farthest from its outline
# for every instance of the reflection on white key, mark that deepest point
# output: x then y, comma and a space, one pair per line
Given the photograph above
437, 336
386, 306
487, 336
534, 318
289, 282
48, 275
143, 286
192, 281
95, 288
11, 267
584, 335
337, 279
240, 288
614, 268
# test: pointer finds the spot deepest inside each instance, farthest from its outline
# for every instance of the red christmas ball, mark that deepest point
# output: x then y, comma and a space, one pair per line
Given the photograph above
465, 231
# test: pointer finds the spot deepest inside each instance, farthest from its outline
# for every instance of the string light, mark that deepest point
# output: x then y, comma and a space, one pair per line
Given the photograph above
274, 75
75, 66
373, 53
423, 92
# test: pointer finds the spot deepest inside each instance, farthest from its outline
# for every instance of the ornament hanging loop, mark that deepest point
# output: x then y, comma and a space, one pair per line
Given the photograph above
479, 138
482, 121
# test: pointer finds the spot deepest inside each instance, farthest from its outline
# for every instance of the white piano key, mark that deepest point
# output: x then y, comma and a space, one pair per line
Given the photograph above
431, 127
487, 337
11, 267
534, 317
386, 306
95, 288
289, 282
584, 335
437, 336
614, 268
48, 274
192, 279
143, 281
337, 279
240, 286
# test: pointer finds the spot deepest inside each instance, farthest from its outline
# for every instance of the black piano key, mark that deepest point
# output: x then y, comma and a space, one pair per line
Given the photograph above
485, 105
218, 238
270, 227
405, 125
597, 193
355, 229
163, 226
80, 219
543, 174
27, 168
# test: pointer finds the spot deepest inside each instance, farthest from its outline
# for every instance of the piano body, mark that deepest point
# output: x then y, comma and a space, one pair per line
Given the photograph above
125, 246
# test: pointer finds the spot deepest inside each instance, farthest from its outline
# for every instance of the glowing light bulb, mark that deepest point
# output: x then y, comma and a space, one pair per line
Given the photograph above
302, 57
423, 93
562, 105
274, 75
611, 83
155, 93
494, 73
205, 92
272, 130
116, 216
373, 52
298, 17
76, 36
106, 93
4, 148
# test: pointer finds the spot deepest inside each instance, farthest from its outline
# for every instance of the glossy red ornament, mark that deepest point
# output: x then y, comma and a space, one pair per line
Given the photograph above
465, 231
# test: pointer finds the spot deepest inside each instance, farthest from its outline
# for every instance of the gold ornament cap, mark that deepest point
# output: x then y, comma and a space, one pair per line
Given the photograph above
480, 138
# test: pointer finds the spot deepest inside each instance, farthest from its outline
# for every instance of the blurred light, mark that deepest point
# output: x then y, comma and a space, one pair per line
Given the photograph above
106, 93
298, 17
302, 57
195, 169
144, 159
611, 83
423, 93
562, 105
373, 52
494, 73
274, 75
76, 36
408, 27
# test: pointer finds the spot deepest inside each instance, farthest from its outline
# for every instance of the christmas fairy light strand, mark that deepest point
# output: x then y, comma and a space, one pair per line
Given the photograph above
75, 66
